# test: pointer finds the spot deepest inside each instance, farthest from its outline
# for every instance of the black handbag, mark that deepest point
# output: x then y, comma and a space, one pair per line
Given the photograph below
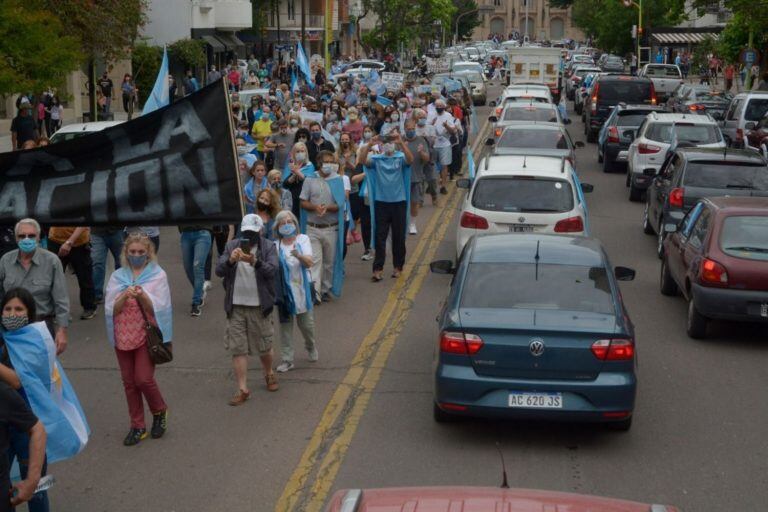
159, 352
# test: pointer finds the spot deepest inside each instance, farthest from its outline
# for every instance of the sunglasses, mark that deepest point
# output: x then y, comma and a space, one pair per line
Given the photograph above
22, 236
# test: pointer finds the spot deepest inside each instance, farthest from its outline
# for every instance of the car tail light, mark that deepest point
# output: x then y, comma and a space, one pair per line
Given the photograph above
452, 407
497, 132
694, 108
647, 149
570, 225
613, 134
616, 415
676, 197
594, 98
498, 111
713, 273
654, 100
739, 134
460, 343
472, 221
622, 349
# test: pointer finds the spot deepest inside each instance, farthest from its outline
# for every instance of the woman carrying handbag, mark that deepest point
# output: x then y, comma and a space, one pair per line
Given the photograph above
139, 326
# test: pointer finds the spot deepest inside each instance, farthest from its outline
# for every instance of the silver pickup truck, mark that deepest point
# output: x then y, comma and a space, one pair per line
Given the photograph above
665, 78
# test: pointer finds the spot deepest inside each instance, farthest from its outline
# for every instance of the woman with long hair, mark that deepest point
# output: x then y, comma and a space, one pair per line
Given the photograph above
256, 183
267, 207
299, 167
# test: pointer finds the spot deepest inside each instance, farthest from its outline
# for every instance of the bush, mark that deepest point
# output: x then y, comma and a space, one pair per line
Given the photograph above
145, 61
190, 52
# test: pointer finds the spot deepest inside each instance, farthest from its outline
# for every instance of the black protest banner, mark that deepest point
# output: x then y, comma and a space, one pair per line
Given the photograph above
176, 165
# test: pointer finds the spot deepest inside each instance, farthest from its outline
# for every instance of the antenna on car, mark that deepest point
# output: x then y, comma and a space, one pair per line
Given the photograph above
524, 160
504, 483
538, 242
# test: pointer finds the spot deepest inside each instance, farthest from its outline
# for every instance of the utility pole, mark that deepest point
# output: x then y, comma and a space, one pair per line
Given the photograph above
527, 19
303, 24
748, 80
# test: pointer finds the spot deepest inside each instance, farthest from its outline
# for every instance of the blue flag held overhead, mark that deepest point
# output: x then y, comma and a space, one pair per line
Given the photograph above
294, 84
160, 95
303, 64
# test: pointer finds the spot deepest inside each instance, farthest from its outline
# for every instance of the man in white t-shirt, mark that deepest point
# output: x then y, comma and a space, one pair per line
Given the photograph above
445, 126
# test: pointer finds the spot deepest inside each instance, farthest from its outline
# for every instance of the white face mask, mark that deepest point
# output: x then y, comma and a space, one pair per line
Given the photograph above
300, 156
395, 117
330, 169
389, 148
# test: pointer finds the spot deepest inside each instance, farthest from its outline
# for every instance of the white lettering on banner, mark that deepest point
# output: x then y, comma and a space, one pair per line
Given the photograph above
47, 187
152, 186
312, 117
393, 81
181, 121
206, 194
13, 200
99, 196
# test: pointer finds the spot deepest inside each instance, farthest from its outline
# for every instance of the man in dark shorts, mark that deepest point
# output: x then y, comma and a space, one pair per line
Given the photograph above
14, 413
23, 127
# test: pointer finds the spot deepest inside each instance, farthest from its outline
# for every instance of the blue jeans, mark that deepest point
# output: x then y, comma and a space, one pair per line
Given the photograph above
19, 450
100, 245
195, 246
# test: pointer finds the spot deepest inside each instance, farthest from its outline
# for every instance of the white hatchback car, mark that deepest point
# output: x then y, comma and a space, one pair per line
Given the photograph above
77, 130
655, 135
522, 194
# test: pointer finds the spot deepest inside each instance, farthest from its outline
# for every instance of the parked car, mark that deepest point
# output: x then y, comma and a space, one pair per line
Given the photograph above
757, 135
468, 499
584, 90
542, 139
477, 89
745, 107
656, 135
665, 77
534, 327
467, 66
698, 99
522, 194
608, 91
693, 173
573, 82
77, 130
717, 258
618, 132
612, 64
525, 113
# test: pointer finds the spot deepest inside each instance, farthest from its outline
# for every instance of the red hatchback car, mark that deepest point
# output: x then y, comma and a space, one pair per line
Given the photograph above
717, 257
478, 499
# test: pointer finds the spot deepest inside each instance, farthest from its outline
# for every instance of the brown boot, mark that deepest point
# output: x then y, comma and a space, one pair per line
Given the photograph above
239, 398
271, 382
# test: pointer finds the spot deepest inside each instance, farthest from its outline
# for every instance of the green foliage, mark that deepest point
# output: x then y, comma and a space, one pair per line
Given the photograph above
468, 22
35, 52
145, 60
702, 51
191, 52
405, 21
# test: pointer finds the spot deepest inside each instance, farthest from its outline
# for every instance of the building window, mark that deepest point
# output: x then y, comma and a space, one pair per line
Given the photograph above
291, 10
497, 3
556, 29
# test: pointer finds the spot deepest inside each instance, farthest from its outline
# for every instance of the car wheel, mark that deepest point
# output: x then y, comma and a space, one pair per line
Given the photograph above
667, 285
634, 193
647, 226
607, 164
440, 416
629, 173
577, 108
697, 323
591, 135
600, 157
660, 242
764, 150
621, 425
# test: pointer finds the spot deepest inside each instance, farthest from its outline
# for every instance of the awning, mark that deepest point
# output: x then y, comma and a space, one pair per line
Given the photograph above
230, 40
213, 43
683, 37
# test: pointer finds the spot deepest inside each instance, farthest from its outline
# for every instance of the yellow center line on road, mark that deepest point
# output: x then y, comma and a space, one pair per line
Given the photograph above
334, 432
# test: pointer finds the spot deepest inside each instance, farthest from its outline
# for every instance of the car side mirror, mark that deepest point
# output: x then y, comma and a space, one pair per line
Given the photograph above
624, 273
464, 183
567, 121
630, 134
670, 228
750, 125
587, 188
442, 267
493, 119
578, 144
489, 141
491, 104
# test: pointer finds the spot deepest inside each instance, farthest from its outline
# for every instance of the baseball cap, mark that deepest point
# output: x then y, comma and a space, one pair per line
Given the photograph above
251, 222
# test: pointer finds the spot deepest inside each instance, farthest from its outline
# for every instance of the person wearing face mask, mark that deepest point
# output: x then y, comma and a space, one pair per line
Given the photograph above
445, 127
323, 202
256, 183
237, 114
317, 143
377, 109
249, 268
391, 122
261, 130
353, 126
253, 113
388, 185
297, 168
280, 144
295, 256
42, 273
138, 293
267, 207
428, 133
420, 149
347, 157
275, 180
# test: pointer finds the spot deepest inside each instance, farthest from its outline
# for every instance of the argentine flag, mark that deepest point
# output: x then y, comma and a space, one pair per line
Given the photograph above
50, 395
303, 64
294, 84
160, 94
470, 164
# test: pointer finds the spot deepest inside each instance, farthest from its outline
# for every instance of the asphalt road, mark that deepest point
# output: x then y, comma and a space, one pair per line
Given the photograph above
362, 415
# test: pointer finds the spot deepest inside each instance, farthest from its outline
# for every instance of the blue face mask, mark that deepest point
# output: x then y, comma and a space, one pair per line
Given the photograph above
287, 230
410, 134
137, 261
27, 245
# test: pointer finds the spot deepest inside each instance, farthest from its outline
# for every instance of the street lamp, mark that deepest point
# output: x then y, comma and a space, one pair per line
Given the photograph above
482, 9
639, 5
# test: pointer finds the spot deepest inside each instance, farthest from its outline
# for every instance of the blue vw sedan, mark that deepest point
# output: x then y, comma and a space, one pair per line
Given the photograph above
534, 327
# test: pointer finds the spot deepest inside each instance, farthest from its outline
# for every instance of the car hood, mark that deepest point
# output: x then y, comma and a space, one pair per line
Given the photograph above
559, 153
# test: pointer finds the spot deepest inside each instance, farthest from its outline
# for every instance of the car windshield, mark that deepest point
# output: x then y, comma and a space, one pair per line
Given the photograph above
472, 76
745, 237
465, 67
628, 91
713, 97
631, 118
539, 139
726, 175
522, 194
542, 286
663, 71
583, 71
614, 60
756, 109
695, 134
546, 115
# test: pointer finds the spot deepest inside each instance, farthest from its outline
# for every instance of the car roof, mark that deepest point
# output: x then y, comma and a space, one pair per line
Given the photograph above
535, 125
721, 154
552, 249
529, 104
506, 165
740, 204
466, 63
95, 126
639, 106
665, 117
621, 77
751, 94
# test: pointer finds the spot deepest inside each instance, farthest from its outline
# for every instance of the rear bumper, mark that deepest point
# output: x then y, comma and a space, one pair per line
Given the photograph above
642, 181
583, 401
612, 150
729, 304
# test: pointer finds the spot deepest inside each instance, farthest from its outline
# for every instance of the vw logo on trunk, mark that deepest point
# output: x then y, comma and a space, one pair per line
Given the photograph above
521, 220
536, 347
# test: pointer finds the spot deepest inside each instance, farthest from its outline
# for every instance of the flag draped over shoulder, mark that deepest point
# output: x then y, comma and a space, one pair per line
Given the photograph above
372, 183
48, 391
155, 284
160, 95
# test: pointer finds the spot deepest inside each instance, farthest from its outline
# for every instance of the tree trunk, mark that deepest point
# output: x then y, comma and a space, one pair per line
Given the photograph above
92, 103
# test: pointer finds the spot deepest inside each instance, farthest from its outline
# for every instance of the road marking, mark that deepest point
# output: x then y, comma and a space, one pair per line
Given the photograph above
338, 423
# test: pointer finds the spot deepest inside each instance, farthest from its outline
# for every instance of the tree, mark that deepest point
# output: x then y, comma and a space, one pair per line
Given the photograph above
35, 51
402, 21
145, 61
190, 52
468, 22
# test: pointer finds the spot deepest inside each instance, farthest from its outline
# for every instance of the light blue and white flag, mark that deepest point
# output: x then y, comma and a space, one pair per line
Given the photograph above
303, 64
48, 391
470, 164
294, 84
160, 96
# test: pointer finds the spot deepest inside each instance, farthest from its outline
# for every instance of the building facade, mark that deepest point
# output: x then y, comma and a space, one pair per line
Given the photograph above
532, 17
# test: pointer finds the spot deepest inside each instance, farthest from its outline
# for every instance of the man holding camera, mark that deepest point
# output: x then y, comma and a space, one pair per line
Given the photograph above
248, 266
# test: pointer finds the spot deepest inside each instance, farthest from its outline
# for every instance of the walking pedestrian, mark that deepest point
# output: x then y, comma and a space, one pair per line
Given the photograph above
137, 294
107, 87
23, 126
196, 243
275, 180
129, 94
73, 246
729, 74
295, 257
249, 267
104, 240
56, 113
420, 150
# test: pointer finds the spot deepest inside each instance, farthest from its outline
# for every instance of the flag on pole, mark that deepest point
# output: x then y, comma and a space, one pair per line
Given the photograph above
159, 97
303, 64
294, 84
470, 164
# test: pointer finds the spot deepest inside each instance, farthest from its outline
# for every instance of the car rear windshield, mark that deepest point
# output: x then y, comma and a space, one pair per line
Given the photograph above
756, 109
711, 97
631, 118
583, 71
663, 72
614, 60
745, 237
628, 91
545, 115
466, 67
726, 175
693, 133
523, 194
539, 139
543, 286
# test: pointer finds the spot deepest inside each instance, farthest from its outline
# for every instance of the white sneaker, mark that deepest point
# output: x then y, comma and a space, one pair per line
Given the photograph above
284, 367
207, 286
313, 355
412, 230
